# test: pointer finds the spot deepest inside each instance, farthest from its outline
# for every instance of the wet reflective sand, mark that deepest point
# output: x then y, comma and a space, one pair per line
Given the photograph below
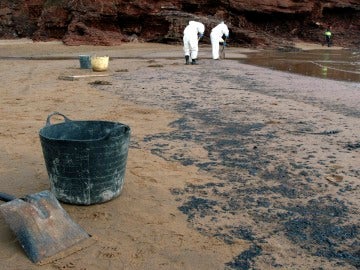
341, 65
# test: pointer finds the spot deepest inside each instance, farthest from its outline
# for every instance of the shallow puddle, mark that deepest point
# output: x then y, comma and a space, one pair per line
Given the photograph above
341, 65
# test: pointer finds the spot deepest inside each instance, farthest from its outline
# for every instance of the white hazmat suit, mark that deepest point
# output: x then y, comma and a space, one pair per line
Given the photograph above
191, 39
216, 37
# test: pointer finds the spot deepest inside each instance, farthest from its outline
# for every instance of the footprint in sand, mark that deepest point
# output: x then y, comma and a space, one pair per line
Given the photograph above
109, 252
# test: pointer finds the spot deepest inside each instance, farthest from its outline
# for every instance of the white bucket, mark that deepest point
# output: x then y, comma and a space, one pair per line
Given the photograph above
100, 63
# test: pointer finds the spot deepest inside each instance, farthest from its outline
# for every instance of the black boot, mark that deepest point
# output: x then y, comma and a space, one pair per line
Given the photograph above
187, 59
194, 62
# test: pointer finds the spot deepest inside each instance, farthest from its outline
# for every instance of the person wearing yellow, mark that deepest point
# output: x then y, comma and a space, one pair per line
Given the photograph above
328, 37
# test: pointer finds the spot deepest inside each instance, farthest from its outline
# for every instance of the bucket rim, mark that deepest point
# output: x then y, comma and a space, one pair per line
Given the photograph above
116, 124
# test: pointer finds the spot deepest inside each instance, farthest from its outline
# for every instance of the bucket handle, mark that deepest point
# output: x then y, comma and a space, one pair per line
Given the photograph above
48, 123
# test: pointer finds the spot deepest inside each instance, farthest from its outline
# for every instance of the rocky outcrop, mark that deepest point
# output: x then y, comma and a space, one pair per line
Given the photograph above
110, 22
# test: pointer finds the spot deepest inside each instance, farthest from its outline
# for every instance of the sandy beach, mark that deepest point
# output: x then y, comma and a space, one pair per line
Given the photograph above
230, 166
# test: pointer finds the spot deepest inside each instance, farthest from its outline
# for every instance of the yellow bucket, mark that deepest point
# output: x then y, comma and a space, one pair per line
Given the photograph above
100, 63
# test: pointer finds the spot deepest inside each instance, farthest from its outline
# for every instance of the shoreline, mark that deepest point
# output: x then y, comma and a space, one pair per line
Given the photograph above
55, 50
297, 44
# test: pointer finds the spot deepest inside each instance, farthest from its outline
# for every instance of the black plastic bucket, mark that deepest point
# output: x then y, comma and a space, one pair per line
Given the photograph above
85, 160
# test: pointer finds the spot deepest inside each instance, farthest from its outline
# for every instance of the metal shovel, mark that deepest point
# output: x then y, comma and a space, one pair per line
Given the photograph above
44, 229
222, 50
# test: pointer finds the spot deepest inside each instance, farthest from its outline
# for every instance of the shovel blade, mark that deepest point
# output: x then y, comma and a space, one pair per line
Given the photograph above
42, 226
222, 53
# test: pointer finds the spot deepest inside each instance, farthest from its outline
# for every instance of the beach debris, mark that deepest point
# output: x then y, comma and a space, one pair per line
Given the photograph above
325, 132
122, 70
99, 82
336, 167
334, 178
77, 77
68, 78
328, 132
272, 122
155, 65
353, 146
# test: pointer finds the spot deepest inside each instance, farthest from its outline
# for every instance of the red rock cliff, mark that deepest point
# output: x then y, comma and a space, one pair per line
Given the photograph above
252, 22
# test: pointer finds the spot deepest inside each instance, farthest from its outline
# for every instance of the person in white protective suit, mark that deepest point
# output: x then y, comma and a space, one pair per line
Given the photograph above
216, 36
192, 34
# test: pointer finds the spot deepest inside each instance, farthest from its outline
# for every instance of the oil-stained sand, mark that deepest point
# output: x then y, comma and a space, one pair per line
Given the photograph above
285, 167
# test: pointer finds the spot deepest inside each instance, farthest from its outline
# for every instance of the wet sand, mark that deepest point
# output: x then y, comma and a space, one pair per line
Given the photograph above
231, 166
342, 65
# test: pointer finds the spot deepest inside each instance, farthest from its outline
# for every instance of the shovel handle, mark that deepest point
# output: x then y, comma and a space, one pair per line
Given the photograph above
48, 123
6, 197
